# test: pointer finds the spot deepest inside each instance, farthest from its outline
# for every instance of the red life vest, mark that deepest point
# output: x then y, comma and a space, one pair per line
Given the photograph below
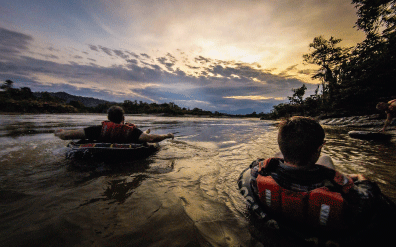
116, 133
319, 207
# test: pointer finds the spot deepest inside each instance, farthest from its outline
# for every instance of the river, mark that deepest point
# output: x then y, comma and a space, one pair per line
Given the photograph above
184, 195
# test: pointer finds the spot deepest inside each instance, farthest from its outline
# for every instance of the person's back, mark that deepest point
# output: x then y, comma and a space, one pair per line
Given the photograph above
115, 130
297, 189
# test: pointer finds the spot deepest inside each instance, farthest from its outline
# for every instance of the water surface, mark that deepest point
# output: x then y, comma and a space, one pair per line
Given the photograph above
184, 195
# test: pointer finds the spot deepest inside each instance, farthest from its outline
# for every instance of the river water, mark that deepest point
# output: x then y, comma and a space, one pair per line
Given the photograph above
184, 195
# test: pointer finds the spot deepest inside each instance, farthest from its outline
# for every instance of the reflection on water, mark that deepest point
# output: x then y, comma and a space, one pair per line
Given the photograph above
119, 190
375, 159
183, 195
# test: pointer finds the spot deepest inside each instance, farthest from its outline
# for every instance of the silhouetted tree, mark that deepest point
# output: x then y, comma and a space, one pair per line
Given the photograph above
330, 58
7, 84
298, 95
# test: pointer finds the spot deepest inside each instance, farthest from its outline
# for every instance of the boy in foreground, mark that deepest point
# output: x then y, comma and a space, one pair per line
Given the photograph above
296, 187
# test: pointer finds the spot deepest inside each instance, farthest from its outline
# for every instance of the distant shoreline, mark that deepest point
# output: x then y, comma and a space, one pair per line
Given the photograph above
131, 114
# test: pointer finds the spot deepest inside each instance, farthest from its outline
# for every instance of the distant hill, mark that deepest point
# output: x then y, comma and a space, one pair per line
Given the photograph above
87, 101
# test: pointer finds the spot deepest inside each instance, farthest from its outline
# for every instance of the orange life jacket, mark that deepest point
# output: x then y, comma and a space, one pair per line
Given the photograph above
319, 207
116, 133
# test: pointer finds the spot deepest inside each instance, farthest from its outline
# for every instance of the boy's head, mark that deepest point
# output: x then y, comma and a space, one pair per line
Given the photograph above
300, 140
115, 114
382, 106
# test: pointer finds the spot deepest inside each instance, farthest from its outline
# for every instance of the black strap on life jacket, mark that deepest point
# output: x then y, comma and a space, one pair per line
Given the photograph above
300, 180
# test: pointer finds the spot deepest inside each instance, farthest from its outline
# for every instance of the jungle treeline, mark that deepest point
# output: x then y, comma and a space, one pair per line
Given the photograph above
23, 100
353, 79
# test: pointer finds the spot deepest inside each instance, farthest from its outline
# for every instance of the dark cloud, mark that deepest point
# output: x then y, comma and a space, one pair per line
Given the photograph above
192, 67
132, 54
106, 50
12, 43
94, 48
202, 60
306, 71
291, 68
132, 61
180, 72
171, 58
165, 61
145, 55
120, 54
52, 49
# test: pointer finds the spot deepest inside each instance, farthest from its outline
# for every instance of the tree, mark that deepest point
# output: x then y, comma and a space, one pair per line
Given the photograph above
331, 60
298, 95
376, 16
7, 84
77, 104
26, 93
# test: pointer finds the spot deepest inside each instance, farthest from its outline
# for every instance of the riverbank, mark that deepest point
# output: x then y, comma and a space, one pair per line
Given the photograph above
367, 122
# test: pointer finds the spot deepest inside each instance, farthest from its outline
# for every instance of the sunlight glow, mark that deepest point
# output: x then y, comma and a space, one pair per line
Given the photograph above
254, 97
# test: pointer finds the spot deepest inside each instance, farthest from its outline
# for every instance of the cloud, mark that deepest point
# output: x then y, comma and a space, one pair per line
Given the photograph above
12, 43
106, 50
163, 60
93, 47
187, 80
120, 54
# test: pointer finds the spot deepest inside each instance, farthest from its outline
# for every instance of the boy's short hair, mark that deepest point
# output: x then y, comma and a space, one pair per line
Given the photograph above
299, 139
382, 106
115, 114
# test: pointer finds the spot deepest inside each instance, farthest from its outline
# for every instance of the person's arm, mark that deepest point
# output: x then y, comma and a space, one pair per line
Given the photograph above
387, 121
70, 134
145, 137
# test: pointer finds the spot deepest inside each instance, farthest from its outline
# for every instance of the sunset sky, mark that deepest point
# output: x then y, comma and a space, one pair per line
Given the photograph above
234, 56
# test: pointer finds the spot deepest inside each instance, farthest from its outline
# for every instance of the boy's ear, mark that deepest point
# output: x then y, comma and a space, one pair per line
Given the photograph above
321, 146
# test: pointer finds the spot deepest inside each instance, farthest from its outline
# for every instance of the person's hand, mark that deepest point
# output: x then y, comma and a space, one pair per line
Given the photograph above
357, 177
170, 135
59, 133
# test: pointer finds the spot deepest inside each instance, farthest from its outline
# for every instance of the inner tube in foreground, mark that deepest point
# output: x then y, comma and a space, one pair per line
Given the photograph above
379, 229
84, 149
370, 135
